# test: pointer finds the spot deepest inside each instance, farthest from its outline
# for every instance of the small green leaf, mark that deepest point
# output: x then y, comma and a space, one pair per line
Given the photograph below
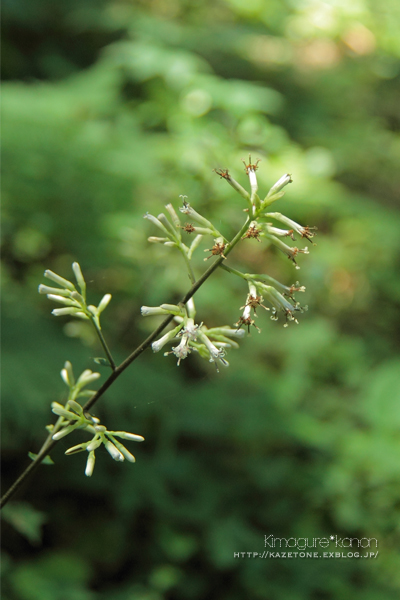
104, 362
46, 461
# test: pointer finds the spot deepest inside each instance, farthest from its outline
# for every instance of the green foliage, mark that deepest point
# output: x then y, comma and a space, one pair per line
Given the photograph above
112, 110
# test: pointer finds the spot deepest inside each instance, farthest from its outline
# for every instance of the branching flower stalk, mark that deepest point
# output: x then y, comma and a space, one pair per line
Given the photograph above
186, 335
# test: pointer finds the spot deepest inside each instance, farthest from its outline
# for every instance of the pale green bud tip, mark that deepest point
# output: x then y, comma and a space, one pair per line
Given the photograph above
60, 280
104, 302
75, 406
90, 464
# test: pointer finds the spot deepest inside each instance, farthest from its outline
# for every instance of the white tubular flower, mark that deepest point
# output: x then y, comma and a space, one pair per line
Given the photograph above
279, 185
253, 181
158, 344
75, 407
224, 174
158, 224
173, 215
75, 449
226, 331
279, 232
164, 309
94, 444
64, 300
64, 283
113, 451
104, 302
90, 464
67, 374
87, 377
216, 355
195, 244
280, 303
61, 312
79, 277
174, 233
190, 331
127, 436
124, 451
186, 209
190, 308
45, 289
61, 411
291, 253
181, 351
304, 232
66, 431
157, 240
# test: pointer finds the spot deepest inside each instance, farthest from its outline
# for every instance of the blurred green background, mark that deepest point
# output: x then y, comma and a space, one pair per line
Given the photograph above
114, 108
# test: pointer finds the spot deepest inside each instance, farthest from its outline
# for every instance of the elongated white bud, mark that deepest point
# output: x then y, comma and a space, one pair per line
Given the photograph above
60, 280
125, 435
104, 302
90, 464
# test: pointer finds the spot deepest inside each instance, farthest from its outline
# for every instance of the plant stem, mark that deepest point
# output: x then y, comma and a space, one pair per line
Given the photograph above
234, 272
50, 443
104, 344
189, 266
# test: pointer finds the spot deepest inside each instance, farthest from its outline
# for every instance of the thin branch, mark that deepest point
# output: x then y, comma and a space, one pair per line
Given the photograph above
104, 344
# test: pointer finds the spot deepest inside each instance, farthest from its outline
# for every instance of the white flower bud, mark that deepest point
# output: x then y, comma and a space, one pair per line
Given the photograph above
64, 283
61, 411
158, 344
164, 309
63, 300
124, 451
125, 435
79, 277
63, 432
75, 406
281, 183
113, 451
95, 443
87, 377
104, 302
90, 464
45, 289
173, 215
75, 449
60, 312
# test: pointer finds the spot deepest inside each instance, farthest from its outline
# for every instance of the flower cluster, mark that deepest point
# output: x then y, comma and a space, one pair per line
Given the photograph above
74, 302
210, 344
72, 417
